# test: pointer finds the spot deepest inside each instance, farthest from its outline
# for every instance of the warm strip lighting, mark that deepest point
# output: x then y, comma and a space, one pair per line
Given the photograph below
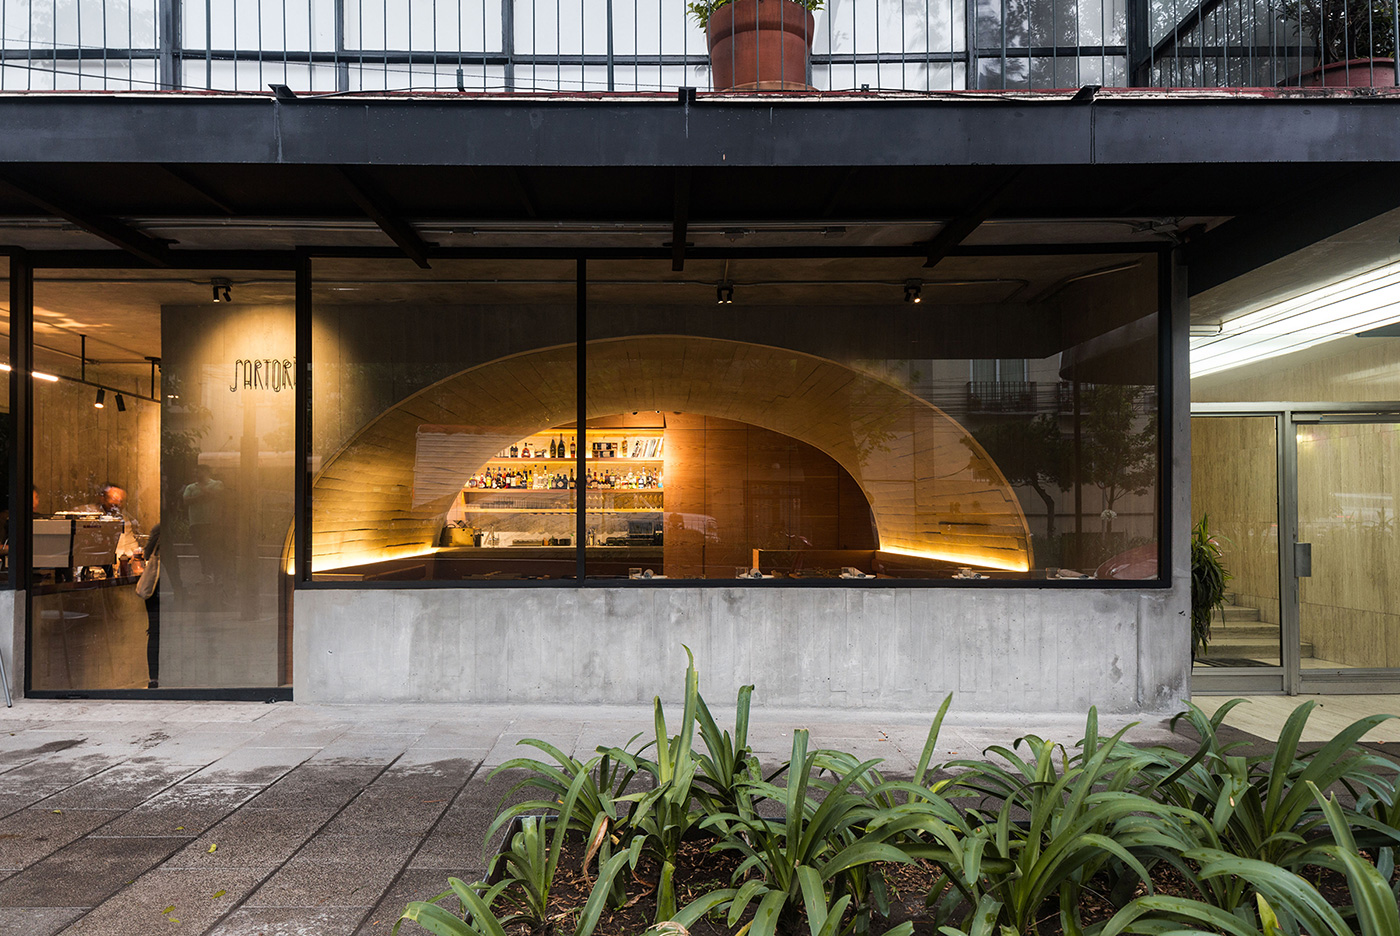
1336, 310
985, 560
42, 376
343, 561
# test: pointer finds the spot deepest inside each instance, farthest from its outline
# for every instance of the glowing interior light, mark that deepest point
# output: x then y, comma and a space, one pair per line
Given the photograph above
349, 560
1355, 304
972, 557
42, 376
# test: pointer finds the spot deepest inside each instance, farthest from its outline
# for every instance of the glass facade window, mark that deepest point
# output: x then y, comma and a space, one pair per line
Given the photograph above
788, 419
163, 436
440, 401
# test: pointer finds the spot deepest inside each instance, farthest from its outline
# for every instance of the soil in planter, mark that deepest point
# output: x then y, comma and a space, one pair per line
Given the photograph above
699, 872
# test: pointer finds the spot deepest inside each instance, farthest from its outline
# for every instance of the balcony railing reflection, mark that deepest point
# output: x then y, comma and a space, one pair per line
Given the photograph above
586, 46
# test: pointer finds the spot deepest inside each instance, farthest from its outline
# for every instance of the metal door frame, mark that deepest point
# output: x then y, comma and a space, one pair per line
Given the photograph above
1290, 678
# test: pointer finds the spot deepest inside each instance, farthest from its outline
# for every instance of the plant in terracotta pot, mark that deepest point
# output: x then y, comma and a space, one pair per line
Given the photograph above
758, 45
1353, 41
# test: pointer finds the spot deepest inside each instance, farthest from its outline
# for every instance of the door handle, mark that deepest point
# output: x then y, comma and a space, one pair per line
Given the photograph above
1302, 560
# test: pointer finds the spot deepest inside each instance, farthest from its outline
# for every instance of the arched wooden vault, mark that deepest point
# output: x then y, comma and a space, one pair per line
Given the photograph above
932, 489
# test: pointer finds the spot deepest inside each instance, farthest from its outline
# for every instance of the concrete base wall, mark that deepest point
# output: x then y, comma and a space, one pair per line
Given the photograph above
997, 650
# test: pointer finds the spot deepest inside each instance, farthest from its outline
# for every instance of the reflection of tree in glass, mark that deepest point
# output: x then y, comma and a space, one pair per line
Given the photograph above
1119, 445
1341, 30
1021, 24
1032, 453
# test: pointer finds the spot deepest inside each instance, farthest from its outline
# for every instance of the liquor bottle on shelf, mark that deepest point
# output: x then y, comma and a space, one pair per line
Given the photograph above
514, 451
561, 445
525, 450
573, 449
572, 484
553, 452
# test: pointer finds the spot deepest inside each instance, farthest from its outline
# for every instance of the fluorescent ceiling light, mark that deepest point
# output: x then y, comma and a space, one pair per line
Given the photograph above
1345, 307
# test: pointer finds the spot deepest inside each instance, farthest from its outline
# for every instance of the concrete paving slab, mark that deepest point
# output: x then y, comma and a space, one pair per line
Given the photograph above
196, 747
292, 921
316, 786
57, 769
252, 765
179, 901
412, 884
183, 809
382, 811
86, 872
32, 834
252, 838
18, 748
15, 801
122, 787
37, 921
354, 747
334, 877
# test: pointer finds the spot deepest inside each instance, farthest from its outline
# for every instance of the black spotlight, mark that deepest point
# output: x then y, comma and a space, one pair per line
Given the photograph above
912, 288
724, 294
223, 289
101, 401
121, 404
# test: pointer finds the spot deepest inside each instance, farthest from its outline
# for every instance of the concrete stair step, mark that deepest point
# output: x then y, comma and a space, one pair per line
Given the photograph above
1236, 613
1234, 629
1262, 648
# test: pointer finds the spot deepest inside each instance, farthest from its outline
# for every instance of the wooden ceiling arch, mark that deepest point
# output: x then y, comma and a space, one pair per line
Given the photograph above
932, 488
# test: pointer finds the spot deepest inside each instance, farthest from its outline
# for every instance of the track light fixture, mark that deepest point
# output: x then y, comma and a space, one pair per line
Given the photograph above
223, 289
121, 404
724, 293
100, 402
912, 288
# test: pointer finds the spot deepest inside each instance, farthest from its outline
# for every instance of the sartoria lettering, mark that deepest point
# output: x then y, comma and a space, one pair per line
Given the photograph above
262, 374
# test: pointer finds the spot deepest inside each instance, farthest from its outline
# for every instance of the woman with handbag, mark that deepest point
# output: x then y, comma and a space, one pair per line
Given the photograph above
148, 587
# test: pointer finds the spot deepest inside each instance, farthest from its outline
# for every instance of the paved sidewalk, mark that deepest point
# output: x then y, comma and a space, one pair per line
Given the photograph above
248, 819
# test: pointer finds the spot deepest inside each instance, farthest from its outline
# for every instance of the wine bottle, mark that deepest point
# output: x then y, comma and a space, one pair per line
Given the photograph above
553, 453
572, 483
514, 451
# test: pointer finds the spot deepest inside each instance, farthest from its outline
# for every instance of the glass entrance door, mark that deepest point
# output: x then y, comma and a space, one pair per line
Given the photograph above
1348, 487
1302, 500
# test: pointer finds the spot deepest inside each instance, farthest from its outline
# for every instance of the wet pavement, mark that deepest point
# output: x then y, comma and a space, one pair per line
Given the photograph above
249, 819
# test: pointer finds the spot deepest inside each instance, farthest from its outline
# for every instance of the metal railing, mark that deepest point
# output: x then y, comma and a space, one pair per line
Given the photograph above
654, 45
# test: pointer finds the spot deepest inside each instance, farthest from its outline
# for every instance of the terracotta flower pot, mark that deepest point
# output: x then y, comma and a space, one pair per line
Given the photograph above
1357, 73
760, 45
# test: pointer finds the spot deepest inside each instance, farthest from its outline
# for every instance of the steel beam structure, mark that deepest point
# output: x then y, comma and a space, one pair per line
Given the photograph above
1117, 128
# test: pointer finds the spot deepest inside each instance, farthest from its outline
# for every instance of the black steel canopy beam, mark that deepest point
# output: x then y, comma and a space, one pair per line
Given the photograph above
114, 232
399, 231
680, 219
1119, 128
960, 228
182, 177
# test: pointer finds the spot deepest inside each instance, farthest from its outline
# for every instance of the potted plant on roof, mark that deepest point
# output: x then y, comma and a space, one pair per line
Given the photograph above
1353, 42
758, 45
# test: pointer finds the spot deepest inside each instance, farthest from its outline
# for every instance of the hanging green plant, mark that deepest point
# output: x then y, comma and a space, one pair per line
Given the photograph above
1208, 579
